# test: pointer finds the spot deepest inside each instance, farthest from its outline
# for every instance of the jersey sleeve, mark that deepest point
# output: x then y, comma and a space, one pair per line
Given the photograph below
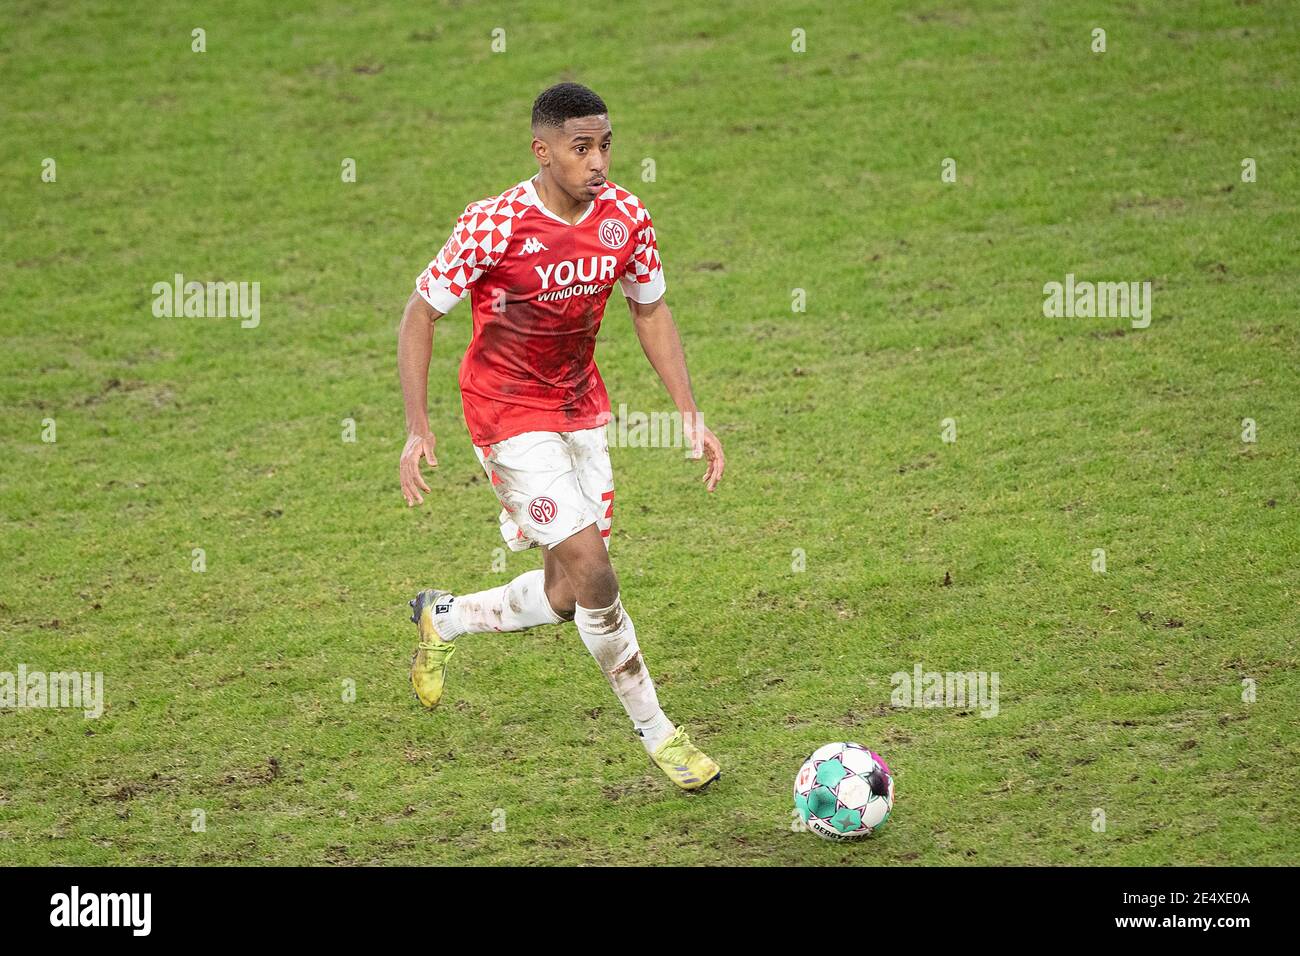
643, 279
464, 257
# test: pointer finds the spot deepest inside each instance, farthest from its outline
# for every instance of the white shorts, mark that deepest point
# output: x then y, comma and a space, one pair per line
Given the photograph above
551, 485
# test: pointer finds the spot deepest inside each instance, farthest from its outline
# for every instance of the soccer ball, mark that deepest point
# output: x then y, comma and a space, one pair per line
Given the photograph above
844, 791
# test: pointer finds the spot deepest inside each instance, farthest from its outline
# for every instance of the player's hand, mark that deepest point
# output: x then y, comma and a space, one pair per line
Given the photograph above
409, 467
702, 443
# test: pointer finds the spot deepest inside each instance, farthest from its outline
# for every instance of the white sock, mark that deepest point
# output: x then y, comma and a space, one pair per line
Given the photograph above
611, 638
511, 607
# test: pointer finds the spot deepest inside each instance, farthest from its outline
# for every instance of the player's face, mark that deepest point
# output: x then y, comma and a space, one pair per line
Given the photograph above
578, 156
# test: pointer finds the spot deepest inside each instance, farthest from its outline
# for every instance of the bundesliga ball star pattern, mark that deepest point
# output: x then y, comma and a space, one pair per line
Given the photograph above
538, 287
844, 791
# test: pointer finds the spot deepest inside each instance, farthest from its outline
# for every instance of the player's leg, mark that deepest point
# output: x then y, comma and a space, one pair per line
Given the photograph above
514, 606
608, 633
559, 592
517, 468
441, 617
588, 451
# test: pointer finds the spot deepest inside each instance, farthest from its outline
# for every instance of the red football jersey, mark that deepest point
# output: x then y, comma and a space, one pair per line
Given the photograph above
538, 287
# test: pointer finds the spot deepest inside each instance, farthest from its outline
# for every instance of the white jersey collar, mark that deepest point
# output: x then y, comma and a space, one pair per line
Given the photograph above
531, 189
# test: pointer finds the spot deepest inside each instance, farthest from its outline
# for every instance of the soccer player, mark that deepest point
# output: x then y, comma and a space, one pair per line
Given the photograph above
538, 263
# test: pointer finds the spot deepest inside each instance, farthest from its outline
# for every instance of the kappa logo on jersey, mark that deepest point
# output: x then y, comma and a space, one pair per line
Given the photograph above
531, 245
542, 510
613, 234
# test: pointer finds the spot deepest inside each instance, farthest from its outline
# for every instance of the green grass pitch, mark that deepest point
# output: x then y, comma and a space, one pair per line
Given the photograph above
1147, 715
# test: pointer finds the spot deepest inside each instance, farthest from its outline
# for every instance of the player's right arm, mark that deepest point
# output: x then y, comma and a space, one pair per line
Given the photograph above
463, 258
414, 349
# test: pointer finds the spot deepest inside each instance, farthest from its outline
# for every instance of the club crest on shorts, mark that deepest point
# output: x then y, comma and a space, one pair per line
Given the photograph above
542, 510
613, 233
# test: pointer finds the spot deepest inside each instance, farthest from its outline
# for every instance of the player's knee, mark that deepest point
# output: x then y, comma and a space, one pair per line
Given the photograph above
606, 592
597, 584
587, 569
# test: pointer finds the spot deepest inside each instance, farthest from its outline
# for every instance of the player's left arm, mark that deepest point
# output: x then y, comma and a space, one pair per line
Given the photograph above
662, 344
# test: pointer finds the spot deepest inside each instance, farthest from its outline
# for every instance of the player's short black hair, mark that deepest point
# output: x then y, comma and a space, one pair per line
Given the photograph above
565, 101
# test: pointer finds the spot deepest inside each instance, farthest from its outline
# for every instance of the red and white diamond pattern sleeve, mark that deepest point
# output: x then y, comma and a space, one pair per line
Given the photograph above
643, 279
475, 244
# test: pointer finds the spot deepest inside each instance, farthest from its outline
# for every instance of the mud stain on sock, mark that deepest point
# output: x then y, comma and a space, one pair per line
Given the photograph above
610, 620
474, 614
629, 668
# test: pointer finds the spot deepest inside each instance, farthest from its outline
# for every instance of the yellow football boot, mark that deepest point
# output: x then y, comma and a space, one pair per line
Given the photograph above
685, 764
429, 665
